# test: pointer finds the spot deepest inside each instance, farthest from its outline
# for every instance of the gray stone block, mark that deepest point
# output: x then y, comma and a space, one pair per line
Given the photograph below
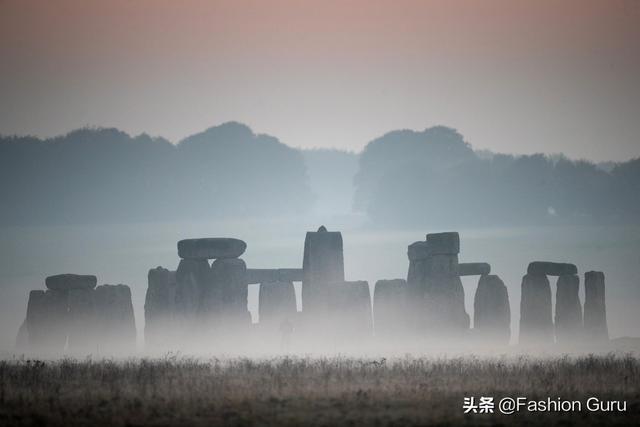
491, 310
65, 282
473, 269
447, 243
211, 248
538, 268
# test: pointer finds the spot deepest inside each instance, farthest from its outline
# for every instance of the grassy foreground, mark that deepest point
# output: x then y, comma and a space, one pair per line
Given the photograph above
330, 391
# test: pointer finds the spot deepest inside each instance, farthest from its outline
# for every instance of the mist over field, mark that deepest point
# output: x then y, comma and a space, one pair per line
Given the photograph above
98, 201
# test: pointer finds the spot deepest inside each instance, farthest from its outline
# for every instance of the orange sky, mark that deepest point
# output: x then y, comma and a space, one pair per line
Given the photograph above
511, 76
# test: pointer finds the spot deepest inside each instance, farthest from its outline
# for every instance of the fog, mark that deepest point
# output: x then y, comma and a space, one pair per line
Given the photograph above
81, 204
124, 253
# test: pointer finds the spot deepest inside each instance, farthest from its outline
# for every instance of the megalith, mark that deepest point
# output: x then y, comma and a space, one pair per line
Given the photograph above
159, 306
474, 269
193, 283
276, 303
230, 291
595, 310
115, 322
323, 263
536, 323
491, 311
568, 317
66, 282
389, 308
47, 320
444, 292
539, 268
350, 309
82, 321
211, 248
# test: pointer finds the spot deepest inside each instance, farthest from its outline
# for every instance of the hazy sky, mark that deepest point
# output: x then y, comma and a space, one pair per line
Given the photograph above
511, 76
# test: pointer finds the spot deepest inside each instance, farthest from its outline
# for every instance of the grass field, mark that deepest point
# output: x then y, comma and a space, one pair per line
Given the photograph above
331, 391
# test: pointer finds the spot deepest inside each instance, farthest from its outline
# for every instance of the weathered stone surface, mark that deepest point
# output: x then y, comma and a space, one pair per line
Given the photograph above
444, 243
390, 308
474, 269
46, 321
568, 319
82, 321
446, 314
538, 268
277, 302
272, 275
230, 290
159, 306
435, 294
323, 263
36, 319
211, 248
350, 308
439, 265
418, 250
65, 282
595, 310
491, 310
536, 324
193, 283
115, 321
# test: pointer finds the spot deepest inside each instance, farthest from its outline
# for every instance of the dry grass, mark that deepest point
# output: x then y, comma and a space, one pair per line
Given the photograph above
311, 391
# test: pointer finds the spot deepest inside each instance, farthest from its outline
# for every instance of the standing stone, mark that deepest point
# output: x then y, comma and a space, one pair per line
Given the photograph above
595, 310
446, 313
434, 290
568, 320
491, 310
323, 263
115, 322
230, 291
350, 309
276, 303
389, 307
418, 254
193, 282
82, 321
536, 324
37, 320
47, 317
159, 306
211, 248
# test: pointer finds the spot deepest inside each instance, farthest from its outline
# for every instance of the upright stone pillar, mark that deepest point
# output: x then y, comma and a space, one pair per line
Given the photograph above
75, 316
116, 325
350, 310
323, 264
390, 309
568, 319
444, 291
193, 277
491, 310
230, 286
39, 318
276, 303
536, 324
82, 321
595, 310
159, 306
